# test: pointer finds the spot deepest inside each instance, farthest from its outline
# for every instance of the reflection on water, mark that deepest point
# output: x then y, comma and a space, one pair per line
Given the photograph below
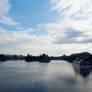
84, 72
56, 76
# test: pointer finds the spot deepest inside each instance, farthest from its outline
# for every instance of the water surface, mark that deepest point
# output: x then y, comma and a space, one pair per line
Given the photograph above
56, 76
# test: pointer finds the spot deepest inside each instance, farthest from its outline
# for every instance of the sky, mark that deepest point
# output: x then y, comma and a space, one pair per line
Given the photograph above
54, 27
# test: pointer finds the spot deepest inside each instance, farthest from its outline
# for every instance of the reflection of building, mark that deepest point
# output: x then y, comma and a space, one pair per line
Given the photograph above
82, 68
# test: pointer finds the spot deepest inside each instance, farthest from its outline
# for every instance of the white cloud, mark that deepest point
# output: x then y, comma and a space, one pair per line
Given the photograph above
73, 14
72, 7
4, 16
21, 42
4, 7
8, 20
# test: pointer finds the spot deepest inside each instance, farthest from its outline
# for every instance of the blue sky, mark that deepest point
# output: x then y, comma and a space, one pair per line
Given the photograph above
30, 13
55, 27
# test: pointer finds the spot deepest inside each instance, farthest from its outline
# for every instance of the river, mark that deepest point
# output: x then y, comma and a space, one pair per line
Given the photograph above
56, 76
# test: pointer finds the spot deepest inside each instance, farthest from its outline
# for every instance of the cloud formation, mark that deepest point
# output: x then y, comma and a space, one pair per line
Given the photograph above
76, 18
24, 41
5, 18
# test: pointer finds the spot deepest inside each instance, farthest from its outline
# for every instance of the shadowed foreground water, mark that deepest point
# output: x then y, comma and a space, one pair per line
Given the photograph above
56, 76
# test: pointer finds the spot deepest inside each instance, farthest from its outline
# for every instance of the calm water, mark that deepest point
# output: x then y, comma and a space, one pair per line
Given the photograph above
56, 76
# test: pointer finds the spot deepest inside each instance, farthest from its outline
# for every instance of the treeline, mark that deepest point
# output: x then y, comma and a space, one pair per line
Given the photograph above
85, 56
3, 57
28, 58
40, 58
45, 58
11, 57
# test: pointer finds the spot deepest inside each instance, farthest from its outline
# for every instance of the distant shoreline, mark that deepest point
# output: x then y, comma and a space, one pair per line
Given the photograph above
84, 55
